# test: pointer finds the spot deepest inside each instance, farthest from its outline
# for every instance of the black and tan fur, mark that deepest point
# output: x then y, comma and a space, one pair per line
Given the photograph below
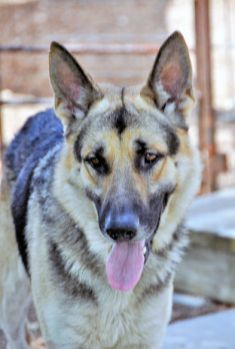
121, 169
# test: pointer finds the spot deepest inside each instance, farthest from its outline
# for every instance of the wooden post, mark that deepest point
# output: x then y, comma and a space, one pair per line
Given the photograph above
1, 121
1, 137
206, 115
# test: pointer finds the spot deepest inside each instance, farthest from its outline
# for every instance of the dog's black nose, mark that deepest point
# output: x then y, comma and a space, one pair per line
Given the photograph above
118, 234
122, 228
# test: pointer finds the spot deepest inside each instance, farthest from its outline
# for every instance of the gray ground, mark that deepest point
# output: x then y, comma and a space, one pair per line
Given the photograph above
216, 331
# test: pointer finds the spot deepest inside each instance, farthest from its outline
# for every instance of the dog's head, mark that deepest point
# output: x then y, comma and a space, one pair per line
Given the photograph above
127, 150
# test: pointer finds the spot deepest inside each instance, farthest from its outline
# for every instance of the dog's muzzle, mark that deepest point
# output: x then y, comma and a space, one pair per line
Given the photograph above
131, 228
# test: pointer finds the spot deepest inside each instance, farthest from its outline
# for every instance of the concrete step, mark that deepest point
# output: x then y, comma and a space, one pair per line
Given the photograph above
214, 331
208, 268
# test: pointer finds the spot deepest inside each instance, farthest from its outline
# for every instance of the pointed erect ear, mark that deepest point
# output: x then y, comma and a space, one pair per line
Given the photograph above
74, 91
170, 80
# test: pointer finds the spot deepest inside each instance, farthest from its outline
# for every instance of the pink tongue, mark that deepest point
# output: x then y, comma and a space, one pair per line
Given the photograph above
125, 265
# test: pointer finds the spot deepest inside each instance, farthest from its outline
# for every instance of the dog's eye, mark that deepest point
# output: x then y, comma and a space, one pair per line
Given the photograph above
99, 164
94, 162
146, 158
151, 158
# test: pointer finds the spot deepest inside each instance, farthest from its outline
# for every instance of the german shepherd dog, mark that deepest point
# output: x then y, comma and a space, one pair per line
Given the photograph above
95, 194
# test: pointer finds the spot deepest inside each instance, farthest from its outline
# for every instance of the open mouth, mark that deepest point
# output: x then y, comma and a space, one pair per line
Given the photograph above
125, 262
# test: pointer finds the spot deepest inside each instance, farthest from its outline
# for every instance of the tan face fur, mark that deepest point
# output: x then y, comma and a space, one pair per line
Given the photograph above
127, 149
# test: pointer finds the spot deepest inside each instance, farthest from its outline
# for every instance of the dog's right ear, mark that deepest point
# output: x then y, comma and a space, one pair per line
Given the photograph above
170, 81
74, 91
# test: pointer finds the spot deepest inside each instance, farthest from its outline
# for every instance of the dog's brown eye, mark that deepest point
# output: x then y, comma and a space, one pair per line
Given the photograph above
150, 157
94, 161
99, 164
146, 159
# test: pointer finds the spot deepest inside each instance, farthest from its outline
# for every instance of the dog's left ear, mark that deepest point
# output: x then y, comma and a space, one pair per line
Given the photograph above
170, 81
74, 91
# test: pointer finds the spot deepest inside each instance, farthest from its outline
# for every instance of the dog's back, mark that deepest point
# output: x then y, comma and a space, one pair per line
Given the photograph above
39, 134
